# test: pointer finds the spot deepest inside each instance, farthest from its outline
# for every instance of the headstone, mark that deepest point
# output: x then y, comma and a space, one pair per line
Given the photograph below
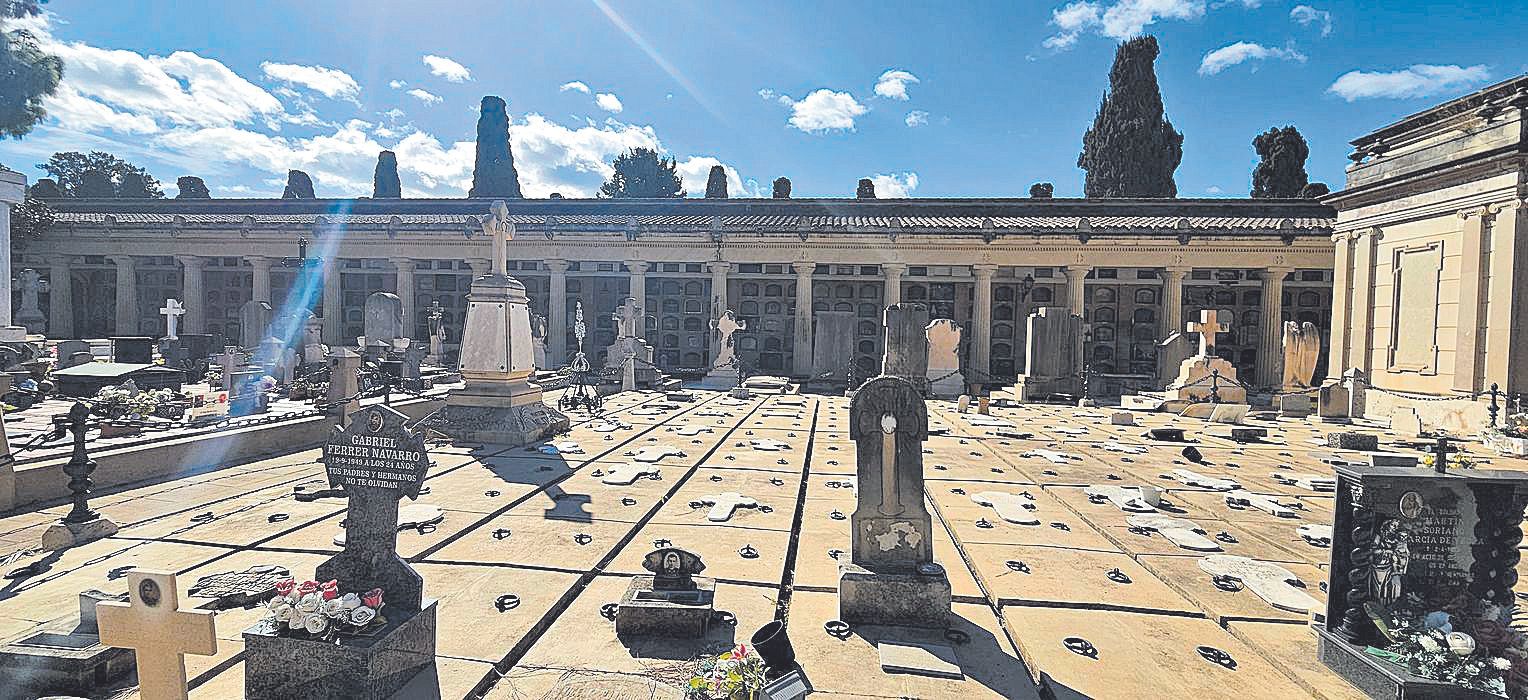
1405, 422
906, 345
254, 323
383, 323
833, 334
892, 577
69, 660
669, 602
172, 312
436, 320
1302, 347
239, 589
268, 352
945, 379
1271, 582
1408, 543
1170, 354
135, 350
377, 460
411, 371
630, 356
29, 315
1363, 442
1207, 376
1317, 483
344, 382
538, 342
724, 368
160, 634
1332, 402
313, 349
1122, 418
1294, 405
1051, 364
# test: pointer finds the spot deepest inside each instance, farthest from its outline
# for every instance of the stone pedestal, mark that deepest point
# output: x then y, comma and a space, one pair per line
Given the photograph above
914, 599
62, 535
285, 668
1294, 405
1197, 382
1332, 403
645, 612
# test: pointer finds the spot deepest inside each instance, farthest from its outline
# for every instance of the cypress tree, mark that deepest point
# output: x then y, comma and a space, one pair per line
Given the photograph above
384, 182
1132, 149
191, 187
133, 186
45, 188
96, 184
641, 172
493, 174
1281, 170
299, 186
866, 189
1315, 190
782, 188
716, 183
1041, 190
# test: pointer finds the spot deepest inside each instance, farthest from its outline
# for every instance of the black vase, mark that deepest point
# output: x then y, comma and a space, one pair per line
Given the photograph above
775, 648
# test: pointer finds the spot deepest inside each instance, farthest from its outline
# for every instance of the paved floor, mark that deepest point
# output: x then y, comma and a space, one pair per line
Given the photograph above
573, 542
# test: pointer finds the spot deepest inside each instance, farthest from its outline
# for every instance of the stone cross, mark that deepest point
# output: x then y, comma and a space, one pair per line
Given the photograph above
1009, 506
888, 422
31, 285
627, 316
152, 624
436, 319
1320, 483
724, 328
1268, 580
654, 453
627, 474
1130, 499
1050, 456
171, 312
723, 505
1267, 504
768, 445
1193, 478
1207, 327
1185, 533
229, 361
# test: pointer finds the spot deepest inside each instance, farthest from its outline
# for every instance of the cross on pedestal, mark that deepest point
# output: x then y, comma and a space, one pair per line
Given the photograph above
1207, 327
723, 505
152, 624
171, 312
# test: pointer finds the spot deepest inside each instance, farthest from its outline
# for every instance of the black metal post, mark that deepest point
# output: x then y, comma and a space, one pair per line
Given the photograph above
1494, 408
79, 468
1440, 455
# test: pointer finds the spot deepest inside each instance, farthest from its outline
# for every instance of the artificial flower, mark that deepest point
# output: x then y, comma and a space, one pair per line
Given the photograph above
1501, 664
307, 587
284, 588
1460, 643
330, 589
350, 601
331, 608
1428, 643
362, 616
315, 623
282, 612
308, 603
1491, 634
373, 598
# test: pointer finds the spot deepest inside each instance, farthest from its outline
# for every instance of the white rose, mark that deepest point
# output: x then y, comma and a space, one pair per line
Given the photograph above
350, 601
331, 608
309, 603
362, 616
315, 623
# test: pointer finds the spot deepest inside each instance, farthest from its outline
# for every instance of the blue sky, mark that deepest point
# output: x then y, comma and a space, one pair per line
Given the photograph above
931, 99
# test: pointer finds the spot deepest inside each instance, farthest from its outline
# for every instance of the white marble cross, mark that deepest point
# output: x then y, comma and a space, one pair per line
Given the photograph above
1063, 430
1192, 478
627, 474
152, 624
171, 312
653, 453
1207, 327
1268, 580
1185, 533
769, 445
1267, 504
1117, 446
1320, 483
987, 421
568, 447
723, 505
1050, 456
1009, 506
1131, 499
713, 413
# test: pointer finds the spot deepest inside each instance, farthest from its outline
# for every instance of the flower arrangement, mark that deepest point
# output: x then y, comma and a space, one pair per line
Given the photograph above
1457, 460
734, 675
126, 402
317, 610
1511, 438
1462, 641
1515, 426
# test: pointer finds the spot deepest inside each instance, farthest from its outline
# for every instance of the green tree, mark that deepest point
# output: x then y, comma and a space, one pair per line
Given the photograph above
782, 188
27, 74
45, 188
29, 220
1315, 190
493, 173
1280, 171
191, 187
133, 186
866, 189
384, 182
1042, 190
640, 172
299, 186
69, 169
1132, 149
96, 184
716, 183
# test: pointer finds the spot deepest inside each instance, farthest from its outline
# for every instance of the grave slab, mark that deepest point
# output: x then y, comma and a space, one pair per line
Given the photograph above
1063, 577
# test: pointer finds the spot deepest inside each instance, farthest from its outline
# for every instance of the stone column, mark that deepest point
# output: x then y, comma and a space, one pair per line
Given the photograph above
127, 294
1270, 340
1342, 305
557, 314
1172, 300
60, 298
334, 312
260, 281
638, 270
981, 323
719, 270
1505, 333
13, 189
1075, 274
191, 290
404, 267
1361, 320
802, 347
893, 293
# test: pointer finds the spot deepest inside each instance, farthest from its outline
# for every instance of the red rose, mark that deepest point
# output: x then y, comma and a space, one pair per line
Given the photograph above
330, 589
284, 588
307, 587
373, 598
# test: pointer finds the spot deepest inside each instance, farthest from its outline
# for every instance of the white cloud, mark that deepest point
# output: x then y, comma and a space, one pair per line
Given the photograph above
823, 110
1243, 51
895, 185
446, 68
893, 84
425, 96
329, 82
608, 102
397, 84
577, 85
1122, 19
1213, 189
772, 96
1420, 80
1307, 15
916, 117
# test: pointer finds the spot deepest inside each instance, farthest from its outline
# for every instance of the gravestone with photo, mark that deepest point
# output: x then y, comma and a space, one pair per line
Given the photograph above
671, 602
377, 460
1423, 560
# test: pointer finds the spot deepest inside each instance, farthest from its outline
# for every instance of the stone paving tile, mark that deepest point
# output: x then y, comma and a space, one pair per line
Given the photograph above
1061, 577
769, 490
533, 540
964, 518
1183, 575
1291, 649
470, 625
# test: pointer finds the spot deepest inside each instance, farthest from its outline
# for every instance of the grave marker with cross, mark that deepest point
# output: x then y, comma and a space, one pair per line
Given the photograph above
627, 474
724, 505
1207, 326
152, 624
171, 312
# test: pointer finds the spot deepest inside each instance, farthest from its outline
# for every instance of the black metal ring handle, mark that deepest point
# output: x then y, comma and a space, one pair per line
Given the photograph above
837, 514
501, 533
507, 602
1018, 566
608, 610
1118, 576
203, 517
1217, 657
836, 628
425, 528
495, 494
1226, 537
1229, 584
748, 552
958, 491
583, 538
628, 501
277, 518
957, 636
724, 617
661, 543
1062, 526
1080, 647
984, 524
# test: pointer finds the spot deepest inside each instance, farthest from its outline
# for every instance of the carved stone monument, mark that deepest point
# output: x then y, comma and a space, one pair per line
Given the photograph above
944, 377
1206, 376
30, 314
377, 460
160, 634
1410, 548
892, 577
254, 324
671, 602
1170, 354
383, 325
538, 342
1051, 342
724, 368
1302, 347
436, 320
833, 334
906, 343
172, 312
630, 356
500, 404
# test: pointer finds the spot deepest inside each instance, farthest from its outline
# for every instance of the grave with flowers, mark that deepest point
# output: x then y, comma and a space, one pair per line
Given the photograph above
361, 627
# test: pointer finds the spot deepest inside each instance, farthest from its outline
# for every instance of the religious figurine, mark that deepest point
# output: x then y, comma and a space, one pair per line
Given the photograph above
1302, 347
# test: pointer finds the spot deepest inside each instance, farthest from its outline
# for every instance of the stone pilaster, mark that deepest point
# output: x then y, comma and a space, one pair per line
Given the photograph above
404, 269
260, 279
1342, 305
1472, 288
981, 324
334, 312
557, 314
893, 292
194, 299
719, 270
1506, 333
1075, 285
1270, 332
127, 294
13, 189
60, 297
802, 347
1172, 300
1362, 318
